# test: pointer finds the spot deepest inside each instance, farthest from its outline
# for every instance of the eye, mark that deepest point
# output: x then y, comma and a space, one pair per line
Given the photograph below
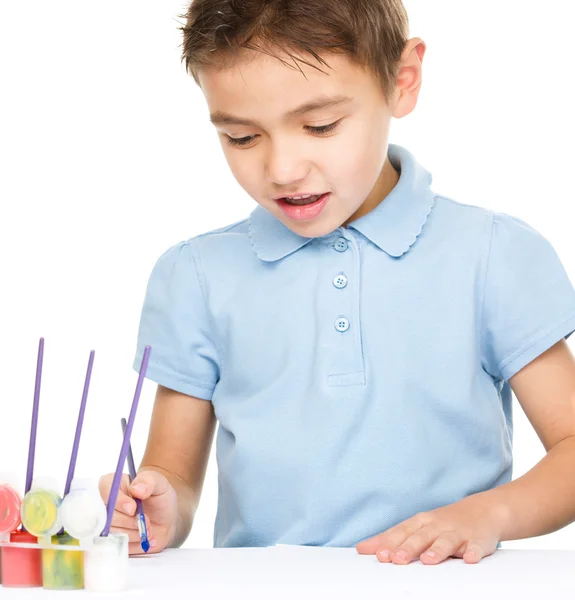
240, 141
318, 131
323, 129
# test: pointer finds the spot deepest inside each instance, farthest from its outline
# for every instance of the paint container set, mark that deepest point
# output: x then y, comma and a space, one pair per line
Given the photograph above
63, 542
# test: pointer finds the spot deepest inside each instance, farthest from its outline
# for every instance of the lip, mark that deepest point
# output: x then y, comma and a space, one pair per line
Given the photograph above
300, 194
304, 212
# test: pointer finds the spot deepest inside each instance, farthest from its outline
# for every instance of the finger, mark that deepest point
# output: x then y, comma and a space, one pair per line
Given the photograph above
370, 545
149, 483
135, 548
121, 519
476, 550
373, 544
389, 540
133, 534
124, 503
125, 521
411, 547
447, 544
105, 484
385, 543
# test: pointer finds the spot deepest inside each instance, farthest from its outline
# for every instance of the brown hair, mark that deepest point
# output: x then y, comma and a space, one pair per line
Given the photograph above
373, 33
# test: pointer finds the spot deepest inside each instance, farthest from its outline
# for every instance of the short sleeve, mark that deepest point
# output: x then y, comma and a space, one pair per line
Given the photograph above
175, 323
528, 299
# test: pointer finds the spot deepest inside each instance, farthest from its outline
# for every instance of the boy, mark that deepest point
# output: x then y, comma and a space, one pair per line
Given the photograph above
357, 337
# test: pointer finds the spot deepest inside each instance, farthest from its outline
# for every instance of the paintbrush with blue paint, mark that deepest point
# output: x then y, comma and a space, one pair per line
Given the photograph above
141, 519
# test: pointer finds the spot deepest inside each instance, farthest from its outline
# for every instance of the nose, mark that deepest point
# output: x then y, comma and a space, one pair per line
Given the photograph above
286, 163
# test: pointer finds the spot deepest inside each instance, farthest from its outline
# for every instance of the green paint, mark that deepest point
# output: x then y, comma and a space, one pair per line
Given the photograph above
61, 569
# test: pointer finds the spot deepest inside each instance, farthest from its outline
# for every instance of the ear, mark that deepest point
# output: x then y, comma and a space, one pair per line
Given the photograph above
409, 78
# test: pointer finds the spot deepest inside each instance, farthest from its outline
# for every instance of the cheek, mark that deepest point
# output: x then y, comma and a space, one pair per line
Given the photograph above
353, 163
244, 168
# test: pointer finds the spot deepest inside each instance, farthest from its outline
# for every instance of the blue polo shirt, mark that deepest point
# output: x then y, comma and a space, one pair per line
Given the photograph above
360, 377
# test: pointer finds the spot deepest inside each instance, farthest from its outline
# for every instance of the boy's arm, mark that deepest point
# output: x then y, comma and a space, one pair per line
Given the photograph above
179, 443
541, 501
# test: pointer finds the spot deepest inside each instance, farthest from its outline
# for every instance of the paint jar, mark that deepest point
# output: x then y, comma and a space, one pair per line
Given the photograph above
63, 569
106, 564
41, 508
21, 567
83, 512
10, 504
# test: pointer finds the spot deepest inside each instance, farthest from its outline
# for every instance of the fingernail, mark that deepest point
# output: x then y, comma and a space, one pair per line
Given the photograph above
140, 488
153, 543
128, 508
402, 555
430, 553
383, 554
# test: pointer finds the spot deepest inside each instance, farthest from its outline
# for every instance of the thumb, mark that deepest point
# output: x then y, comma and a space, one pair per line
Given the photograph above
149, 483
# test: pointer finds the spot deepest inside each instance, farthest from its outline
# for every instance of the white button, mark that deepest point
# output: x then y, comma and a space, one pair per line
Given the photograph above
342, 324
341, 245
340, 281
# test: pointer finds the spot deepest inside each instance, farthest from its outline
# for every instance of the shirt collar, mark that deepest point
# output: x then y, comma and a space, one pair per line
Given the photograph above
393, 225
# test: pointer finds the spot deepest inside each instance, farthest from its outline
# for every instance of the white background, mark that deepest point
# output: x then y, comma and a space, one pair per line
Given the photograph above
107, 158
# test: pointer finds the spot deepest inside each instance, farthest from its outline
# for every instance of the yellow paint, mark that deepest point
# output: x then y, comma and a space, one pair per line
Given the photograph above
40, 512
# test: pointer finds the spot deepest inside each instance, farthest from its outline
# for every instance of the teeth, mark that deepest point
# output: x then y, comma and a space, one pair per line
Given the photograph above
307, 199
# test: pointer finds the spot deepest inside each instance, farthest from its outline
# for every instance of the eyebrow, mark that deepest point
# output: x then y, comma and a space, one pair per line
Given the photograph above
222, 118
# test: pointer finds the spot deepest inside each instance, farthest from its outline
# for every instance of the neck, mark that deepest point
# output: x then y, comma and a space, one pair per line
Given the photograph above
386, 181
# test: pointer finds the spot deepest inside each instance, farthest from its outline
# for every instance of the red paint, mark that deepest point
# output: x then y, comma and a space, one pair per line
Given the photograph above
21, 567
10, 504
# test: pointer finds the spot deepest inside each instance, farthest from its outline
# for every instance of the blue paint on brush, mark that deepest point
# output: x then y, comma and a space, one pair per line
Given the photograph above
144, 542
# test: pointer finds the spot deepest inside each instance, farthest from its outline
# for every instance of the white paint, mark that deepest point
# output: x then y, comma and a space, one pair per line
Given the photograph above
83, 514
106, 564
84, 483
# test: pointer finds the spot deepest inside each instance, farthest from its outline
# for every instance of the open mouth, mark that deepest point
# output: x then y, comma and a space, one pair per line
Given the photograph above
305, 207
302, 201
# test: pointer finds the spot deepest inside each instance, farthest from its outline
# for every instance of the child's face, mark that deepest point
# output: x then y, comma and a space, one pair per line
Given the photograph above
274, 151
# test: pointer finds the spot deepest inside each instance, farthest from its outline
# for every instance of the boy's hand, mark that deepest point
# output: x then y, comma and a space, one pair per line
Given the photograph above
468, 529
160, 508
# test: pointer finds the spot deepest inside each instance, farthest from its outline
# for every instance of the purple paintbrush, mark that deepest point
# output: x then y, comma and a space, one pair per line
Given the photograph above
125, 445
34, 426
141, 519
75, 447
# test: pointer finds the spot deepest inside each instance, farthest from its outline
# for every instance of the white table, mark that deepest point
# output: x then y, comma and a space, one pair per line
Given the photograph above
333, 574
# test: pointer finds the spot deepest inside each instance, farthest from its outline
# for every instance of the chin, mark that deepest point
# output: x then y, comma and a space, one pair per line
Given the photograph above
314, 228
323, 224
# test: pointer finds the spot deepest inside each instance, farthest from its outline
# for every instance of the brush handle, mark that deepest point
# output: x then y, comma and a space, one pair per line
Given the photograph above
139, 504
79, 425
125, 444
34, 425
132, 470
